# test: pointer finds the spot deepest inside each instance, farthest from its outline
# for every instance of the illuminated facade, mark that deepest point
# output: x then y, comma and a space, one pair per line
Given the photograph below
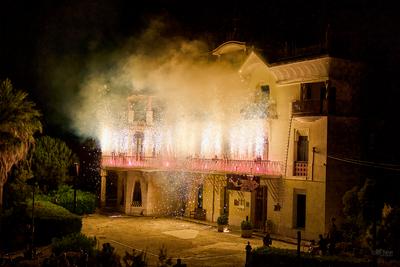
276, 169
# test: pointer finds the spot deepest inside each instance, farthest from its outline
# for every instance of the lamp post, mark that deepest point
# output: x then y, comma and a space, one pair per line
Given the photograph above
33, 183
75, 176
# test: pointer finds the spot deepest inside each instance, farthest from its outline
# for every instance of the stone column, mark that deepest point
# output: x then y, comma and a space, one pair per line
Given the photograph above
103, 174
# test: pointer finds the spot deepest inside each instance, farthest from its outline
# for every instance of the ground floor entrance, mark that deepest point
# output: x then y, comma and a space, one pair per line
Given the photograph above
261, 204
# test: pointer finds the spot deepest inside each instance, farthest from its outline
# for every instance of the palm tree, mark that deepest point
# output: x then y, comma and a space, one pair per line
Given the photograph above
19, 121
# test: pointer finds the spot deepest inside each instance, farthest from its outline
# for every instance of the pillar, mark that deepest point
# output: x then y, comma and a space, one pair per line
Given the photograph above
103, 174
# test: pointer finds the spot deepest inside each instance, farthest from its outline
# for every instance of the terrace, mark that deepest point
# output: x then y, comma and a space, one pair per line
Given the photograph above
259, 167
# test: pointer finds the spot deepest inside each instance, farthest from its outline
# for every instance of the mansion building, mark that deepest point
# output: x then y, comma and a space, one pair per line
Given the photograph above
296, 183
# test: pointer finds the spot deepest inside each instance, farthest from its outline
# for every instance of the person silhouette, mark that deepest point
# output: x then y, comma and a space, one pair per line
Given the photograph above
322, 245
332, 236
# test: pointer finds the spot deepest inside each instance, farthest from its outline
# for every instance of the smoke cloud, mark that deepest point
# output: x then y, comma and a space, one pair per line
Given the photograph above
197, 100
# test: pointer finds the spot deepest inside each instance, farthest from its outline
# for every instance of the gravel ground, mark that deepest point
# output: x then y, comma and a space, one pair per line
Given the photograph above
196, 244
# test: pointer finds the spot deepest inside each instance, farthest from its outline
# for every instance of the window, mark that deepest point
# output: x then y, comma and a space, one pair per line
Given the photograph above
137, 195
301, 155
305, 91
302, 148
138, 141
300, 210
200, 197
266, 149
265, 89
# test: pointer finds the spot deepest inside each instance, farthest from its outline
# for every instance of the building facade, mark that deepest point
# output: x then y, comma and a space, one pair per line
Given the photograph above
293, 182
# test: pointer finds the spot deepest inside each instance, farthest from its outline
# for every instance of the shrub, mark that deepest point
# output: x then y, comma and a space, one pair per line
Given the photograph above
85, 201
53, 221
136, 259
50, 221
107, 257
74, 242
13, 231
246, 225
222, 220
163, 259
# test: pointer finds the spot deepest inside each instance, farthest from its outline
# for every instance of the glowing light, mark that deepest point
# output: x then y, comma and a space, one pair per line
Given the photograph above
105, 140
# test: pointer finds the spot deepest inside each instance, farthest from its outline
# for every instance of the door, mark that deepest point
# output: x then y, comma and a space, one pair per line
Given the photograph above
261, 208
225, 201
301, 211
111, 189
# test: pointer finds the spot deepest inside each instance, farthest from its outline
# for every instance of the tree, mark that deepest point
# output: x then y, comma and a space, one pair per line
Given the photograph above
51, 162
90, 158
19, 121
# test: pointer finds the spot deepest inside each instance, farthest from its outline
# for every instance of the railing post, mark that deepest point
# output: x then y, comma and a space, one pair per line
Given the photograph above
298, 243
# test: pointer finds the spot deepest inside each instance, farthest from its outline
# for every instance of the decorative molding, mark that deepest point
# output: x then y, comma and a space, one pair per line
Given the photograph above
303, 71
229, 47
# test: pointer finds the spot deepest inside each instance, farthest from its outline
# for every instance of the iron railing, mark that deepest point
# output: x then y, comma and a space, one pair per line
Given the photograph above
259, 167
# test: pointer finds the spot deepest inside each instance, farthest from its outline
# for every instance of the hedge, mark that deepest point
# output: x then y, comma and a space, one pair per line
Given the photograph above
74, 242
52, 221
85, 201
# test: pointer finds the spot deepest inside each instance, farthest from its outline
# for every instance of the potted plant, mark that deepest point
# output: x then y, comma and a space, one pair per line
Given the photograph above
222, 221
247, 228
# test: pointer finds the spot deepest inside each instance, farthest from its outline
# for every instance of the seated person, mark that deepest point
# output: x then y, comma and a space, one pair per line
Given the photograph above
267, 241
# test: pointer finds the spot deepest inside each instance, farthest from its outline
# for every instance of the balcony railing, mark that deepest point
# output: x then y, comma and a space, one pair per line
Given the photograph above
300, 168
260, 167
309, 107
316, 107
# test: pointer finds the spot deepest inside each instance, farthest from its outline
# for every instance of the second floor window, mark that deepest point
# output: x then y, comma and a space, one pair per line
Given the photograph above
302, 148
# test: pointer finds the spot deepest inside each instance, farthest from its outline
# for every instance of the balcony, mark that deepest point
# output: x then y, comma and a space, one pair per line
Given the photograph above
255, 167
316, 107
311, 107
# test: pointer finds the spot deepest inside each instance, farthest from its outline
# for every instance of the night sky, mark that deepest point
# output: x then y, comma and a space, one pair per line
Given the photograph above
37, 37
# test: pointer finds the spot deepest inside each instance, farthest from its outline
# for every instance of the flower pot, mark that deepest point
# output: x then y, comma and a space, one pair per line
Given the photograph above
220, 227
247, 233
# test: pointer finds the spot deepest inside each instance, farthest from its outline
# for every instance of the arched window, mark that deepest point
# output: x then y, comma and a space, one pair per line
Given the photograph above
137, 195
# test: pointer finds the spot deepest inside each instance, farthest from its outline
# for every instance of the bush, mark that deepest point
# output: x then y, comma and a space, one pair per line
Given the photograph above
50, 221
136, 259
222, 220
246, 225
108, 257
53, 221
13, 231
74, 242
85, 201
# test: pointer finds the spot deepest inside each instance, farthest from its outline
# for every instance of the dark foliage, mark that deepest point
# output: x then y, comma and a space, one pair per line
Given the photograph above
51, 160
267, 256
89, 154
64, 196
76, 242
222, 220
53, 221
107, 257
50, 221
136, 259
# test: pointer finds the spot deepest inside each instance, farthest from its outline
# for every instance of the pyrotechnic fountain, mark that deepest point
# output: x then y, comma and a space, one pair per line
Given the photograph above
171, 122
178, 111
